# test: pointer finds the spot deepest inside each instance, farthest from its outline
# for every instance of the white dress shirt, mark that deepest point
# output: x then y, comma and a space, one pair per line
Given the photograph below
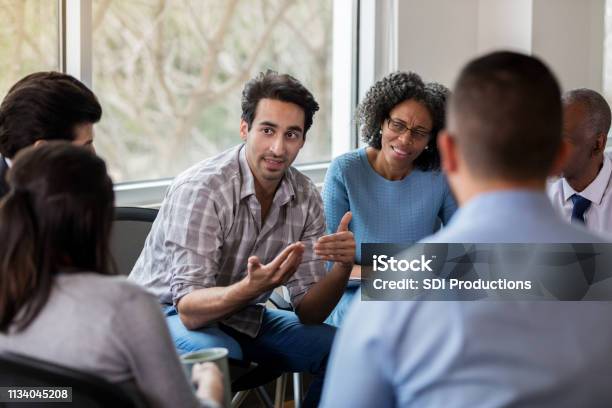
598, 217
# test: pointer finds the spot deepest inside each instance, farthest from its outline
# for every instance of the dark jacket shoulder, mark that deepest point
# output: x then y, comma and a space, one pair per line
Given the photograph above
3, 170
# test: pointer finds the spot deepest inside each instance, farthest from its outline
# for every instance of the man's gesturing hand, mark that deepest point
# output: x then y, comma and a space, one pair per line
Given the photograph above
338, 247
262, 278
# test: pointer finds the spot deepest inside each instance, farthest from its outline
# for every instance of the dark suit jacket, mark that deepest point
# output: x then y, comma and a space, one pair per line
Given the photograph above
3, 169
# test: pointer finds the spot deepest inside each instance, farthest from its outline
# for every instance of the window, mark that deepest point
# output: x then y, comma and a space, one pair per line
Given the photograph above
169, 76
28, 39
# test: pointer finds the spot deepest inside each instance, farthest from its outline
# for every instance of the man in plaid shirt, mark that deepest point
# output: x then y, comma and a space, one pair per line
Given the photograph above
234, 227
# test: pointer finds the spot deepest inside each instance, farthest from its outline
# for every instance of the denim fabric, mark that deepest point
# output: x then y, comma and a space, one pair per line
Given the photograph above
336, 317
282, 342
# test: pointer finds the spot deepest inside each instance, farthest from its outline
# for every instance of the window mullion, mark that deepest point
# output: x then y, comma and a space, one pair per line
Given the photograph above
344, 76
76, 32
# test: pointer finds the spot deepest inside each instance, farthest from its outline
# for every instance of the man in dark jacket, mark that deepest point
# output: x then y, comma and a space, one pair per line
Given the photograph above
45, 106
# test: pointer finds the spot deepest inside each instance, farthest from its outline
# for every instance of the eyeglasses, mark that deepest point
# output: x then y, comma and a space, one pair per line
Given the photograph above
399, 128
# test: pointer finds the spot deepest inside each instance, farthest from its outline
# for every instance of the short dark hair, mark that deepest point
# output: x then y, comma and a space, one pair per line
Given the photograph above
506, 115
389, 92
56, 217
597, 109
44, 105
282, 87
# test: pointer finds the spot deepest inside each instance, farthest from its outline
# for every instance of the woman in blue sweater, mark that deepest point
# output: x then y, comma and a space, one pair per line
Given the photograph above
394, 186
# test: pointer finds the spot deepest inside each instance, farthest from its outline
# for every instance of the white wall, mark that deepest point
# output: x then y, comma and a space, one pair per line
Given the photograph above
437, 37
569, 35
504, 24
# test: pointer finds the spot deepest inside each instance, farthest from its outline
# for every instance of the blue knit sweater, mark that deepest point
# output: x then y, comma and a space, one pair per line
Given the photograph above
384, 211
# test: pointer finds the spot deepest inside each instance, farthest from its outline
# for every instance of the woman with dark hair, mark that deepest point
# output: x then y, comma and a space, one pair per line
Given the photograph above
57, 302
393, 186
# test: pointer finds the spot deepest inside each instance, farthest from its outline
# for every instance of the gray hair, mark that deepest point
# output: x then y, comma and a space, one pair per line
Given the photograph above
598, 111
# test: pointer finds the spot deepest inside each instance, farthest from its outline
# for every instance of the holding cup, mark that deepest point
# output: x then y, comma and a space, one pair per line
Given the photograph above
216, 355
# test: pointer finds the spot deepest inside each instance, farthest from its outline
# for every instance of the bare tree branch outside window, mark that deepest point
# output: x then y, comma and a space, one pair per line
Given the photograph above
28, 39
169, 75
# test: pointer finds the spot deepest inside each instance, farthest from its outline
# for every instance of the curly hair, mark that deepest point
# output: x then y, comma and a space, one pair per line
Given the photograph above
392, 90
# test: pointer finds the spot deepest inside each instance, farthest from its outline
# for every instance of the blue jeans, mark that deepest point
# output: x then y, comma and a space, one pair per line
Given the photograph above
282, 341
351, 293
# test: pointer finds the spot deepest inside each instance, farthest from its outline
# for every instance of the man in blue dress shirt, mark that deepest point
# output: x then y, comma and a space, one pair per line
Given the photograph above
503, 139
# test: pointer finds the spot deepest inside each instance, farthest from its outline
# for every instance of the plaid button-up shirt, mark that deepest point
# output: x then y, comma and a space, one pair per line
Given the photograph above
210, 223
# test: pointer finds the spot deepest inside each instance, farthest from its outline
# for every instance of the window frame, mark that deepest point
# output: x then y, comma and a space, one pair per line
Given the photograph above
76, 59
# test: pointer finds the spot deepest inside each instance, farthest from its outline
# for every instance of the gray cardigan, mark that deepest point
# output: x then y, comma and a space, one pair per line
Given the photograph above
108, 327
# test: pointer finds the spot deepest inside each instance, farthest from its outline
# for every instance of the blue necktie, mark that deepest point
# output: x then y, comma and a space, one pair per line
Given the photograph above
581, 204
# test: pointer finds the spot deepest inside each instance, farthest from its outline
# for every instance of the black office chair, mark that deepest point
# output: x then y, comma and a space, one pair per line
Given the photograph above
131, 227
87, 390
130, 230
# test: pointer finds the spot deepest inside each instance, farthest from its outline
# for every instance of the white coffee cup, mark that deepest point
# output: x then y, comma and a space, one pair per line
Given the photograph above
217, 355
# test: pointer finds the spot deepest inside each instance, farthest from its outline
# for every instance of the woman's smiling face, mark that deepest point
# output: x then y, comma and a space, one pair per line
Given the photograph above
405, 133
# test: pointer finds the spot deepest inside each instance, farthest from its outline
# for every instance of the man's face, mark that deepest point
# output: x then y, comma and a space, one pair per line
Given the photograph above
274, 140
576, 132
84, 136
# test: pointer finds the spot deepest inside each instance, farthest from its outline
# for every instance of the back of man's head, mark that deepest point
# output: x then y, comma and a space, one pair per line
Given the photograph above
505, 113
45, 106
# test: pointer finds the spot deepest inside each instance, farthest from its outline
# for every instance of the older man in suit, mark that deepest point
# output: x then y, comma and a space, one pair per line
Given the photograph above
584, 194
3, 169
